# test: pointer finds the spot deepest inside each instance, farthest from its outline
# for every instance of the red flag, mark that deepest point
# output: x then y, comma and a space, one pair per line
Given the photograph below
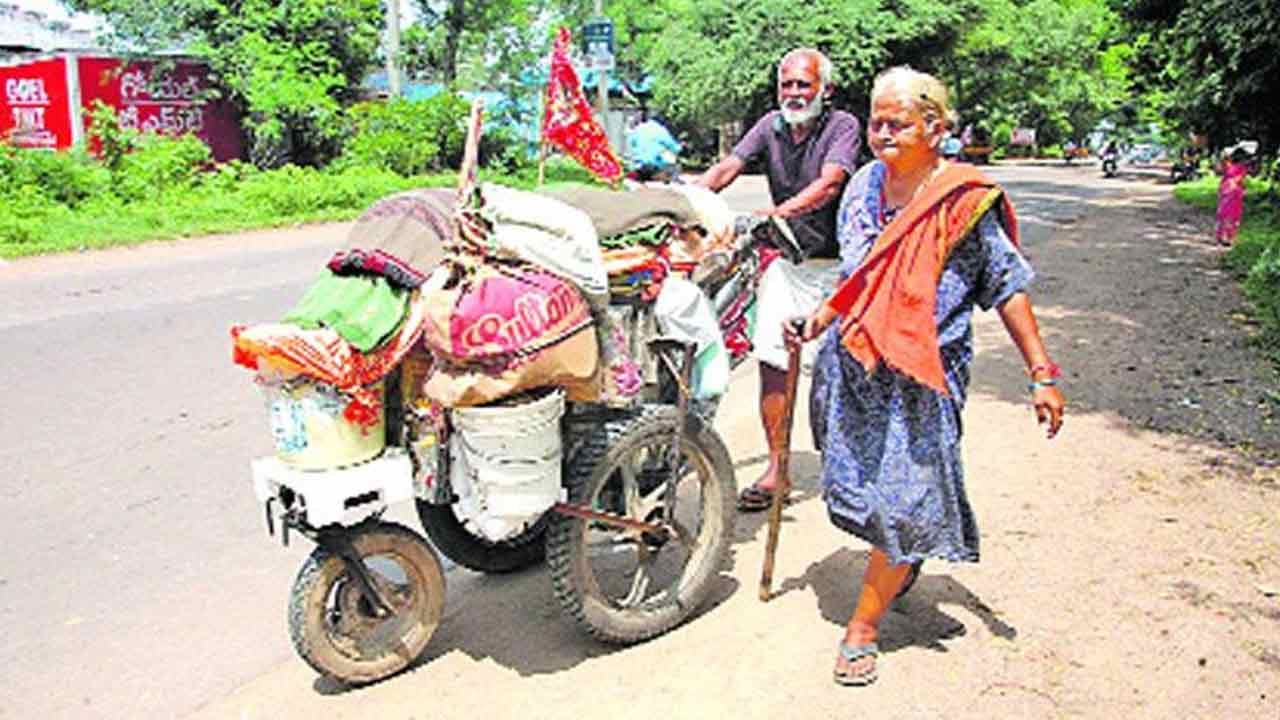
567, 121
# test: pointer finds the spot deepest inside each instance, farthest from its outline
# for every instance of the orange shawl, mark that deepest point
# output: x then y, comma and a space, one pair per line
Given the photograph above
888, 302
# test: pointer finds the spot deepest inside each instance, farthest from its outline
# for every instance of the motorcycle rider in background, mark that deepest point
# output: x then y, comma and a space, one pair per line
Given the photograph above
652, 150
1110, 159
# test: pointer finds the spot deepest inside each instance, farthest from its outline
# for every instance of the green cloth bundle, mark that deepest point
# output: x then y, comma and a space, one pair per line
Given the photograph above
364, 309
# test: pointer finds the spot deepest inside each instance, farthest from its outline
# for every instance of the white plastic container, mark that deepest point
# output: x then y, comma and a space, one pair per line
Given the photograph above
310, 431
335, 496
505, 465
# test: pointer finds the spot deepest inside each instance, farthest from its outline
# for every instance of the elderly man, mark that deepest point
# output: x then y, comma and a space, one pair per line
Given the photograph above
808, 153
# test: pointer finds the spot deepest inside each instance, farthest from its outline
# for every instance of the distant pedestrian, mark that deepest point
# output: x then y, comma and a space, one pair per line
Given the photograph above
922, 241
1235, 167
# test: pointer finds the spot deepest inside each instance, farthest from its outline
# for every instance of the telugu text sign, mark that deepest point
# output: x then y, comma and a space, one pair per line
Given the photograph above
171, 99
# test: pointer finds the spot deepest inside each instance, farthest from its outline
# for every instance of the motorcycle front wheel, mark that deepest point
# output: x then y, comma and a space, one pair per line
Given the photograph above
334, 628
625, 586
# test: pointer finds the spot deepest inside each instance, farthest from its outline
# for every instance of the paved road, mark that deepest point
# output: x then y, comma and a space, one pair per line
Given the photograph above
136, 579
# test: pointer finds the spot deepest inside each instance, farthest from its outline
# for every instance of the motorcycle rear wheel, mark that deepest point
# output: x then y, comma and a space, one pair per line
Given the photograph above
624, 586
332, 625
450, 535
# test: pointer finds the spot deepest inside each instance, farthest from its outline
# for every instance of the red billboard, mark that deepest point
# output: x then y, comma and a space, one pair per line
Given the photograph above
171, 98
46, 101
37, 107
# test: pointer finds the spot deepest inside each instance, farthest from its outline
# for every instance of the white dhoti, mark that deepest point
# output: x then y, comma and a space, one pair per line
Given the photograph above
786, 291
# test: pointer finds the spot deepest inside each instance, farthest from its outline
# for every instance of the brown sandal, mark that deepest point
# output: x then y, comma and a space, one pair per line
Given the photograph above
757, 499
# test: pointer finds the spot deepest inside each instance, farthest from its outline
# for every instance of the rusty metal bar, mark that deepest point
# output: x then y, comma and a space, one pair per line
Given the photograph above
586, 513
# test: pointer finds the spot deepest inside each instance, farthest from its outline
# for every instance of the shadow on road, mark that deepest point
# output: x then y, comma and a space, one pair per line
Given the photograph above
915, 619
533, 636
1135, 307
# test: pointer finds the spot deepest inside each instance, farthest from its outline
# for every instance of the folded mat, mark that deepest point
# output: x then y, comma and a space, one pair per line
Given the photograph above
617, 213
400, 237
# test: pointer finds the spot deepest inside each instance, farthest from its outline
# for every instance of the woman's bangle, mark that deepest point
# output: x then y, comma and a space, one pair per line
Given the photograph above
1037, 384
1050, 367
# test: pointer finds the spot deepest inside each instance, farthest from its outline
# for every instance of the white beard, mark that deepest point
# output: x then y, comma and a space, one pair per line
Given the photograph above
802, 115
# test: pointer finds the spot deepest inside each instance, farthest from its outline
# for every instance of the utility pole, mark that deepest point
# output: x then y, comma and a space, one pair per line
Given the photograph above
393, 48
602, 80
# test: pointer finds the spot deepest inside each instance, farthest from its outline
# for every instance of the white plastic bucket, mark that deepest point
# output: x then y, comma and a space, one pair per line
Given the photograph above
506, 469
309, 429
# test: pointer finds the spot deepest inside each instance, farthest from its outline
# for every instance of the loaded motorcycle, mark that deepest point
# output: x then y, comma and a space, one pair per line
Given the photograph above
630, 507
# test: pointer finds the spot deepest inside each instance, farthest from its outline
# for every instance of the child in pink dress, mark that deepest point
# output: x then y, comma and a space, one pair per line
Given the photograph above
1231, 196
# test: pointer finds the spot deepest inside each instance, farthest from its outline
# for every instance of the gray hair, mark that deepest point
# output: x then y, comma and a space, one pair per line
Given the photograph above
826, 71
927, 93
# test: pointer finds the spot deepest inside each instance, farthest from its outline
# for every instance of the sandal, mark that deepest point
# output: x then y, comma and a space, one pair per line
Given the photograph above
757, 499
852, 653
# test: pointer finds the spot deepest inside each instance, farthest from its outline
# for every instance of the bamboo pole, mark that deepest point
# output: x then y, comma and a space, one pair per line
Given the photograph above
783, 488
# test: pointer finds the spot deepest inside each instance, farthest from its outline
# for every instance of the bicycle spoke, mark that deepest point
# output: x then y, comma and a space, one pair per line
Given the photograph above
630, 491
640, 581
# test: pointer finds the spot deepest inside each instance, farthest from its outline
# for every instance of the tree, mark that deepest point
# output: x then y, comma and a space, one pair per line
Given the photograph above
1058, 66
475, 40
715, 60
291, 65
1216, 66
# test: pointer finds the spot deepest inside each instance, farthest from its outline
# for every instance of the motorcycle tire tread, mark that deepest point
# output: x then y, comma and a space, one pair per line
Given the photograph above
325, 567
635, 624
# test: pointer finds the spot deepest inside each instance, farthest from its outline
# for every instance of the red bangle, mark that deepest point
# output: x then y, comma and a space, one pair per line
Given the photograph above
1050, 367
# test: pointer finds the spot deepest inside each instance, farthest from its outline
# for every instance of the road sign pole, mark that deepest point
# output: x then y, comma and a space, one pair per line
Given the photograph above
602, 80
393, 48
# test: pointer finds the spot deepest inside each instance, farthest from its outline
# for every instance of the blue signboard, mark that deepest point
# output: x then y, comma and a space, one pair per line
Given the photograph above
597, 37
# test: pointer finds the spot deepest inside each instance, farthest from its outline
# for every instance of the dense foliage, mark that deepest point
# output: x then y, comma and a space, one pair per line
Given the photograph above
291, 65
1210, 66
1056, 66
407, 137
474, 42
142, 187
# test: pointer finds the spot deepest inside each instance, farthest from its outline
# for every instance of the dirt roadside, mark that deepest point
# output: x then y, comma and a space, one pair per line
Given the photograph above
1131, 568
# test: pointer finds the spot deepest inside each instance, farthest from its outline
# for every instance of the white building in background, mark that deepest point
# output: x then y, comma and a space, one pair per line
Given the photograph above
30, 31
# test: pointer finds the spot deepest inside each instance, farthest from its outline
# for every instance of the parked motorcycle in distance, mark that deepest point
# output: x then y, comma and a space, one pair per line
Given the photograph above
1110, 162
1186, 168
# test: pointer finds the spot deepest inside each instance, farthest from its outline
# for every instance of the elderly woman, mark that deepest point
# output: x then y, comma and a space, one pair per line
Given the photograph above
922, 241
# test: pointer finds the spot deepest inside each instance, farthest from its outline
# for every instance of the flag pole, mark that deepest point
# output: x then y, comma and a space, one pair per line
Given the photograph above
542, 162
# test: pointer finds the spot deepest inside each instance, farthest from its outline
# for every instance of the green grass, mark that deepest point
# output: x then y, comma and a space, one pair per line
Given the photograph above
1255, 258
229, 201
1203, 193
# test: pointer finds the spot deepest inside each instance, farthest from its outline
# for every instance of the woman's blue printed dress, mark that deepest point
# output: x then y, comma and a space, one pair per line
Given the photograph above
891, 471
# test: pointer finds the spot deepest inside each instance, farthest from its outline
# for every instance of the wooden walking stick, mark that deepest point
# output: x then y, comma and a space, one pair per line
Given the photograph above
783, 488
